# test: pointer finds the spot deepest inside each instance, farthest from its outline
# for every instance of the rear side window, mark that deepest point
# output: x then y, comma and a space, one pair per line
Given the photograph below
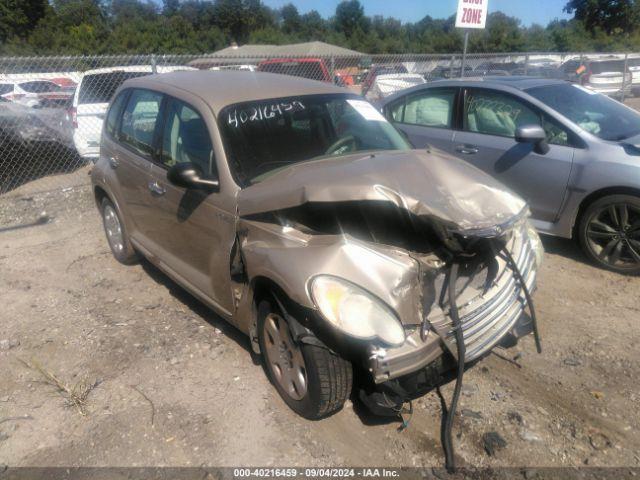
139, 120
186, 138
115, 113
100, 87
39, 87
432, 108
6, 88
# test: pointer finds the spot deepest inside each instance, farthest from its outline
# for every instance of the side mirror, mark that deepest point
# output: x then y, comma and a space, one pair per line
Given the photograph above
189, 175
534, 134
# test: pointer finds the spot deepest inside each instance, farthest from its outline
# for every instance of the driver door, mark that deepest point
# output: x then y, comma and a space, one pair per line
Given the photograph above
487, 141
193, 233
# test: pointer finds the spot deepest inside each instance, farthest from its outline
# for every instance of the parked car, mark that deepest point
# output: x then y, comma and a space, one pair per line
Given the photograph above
385, 85
445, 71
25, 125
570, 152
34, 93
91, 98
243, 67
301, 216
311, 68
495, 68
602, 75
381, 69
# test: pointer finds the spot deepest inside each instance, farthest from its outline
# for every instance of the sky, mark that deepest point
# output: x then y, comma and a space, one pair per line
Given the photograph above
529, 11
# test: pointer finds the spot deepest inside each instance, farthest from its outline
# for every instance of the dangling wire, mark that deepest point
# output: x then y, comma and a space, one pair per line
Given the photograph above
534, 319
461, 350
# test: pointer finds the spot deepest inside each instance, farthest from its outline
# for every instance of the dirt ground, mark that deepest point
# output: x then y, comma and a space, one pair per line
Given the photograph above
172, 385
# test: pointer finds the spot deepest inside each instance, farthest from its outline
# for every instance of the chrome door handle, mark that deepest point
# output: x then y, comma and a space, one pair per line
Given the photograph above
156, 189
113, 162
467, 149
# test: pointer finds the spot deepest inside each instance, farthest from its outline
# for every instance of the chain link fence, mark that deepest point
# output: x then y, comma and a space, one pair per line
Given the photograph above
52, 108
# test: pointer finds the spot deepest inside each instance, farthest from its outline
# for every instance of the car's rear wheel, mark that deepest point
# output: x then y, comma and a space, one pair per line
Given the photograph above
609, 233
116, 234
313, 381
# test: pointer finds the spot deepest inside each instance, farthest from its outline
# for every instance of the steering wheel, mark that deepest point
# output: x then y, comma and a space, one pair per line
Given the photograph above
343, 142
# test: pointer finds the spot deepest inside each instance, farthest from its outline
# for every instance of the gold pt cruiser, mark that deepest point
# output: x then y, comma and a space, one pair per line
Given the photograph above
300, 215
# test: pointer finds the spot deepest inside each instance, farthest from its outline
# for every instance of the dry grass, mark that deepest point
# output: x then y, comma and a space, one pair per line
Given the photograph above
75, 395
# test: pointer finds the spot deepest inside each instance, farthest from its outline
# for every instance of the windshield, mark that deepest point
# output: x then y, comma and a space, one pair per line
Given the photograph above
265, 136
593, 112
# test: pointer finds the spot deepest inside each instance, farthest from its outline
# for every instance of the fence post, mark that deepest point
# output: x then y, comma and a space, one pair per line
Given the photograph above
332, 72
453, 59
154, 63
526, 64
624, 76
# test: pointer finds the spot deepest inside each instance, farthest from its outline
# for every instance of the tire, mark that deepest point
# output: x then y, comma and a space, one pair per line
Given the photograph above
122, 249
609, 233
328, 377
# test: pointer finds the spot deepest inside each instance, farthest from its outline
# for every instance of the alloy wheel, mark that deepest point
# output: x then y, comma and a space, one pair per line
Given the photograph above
613, 234
284, 357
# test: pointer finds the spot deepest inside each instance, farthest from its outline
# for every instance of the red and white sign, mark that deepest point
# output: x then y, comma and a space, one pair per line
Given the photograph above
472, 13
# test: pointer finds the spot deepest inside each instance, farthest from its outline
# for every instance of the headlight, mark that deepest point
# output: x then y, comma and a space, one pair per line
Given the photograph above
354, 311
536, 243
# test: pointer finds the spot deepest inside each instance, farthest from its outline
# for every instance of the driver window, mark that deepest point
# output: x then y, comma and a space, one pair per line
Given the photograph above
186, 138
496, 113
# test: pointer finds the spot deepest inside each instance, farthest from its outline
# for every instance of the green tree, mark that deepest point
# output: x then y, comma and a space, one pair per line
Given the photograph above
608, 15
291, 21
349, 17
19, 17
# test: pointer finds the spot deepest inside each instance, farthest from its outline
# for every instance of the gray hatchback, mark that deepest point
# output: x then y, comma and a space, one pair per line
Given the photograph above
573, 154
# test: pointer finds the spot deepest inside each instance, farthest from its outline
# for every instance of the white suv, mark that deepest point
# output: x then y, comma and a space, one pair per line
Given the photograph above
91, 98
32, 93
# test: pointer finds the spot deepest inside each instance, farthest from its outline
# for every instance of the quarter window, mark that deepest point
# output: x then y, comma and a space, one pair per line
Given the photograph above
186, 138
395, 112
139, 120
433, 108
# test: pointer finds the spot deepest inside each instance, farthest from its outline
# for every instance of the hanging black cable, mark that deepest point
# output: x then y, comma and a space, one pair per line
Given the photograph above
527, 295
461, 351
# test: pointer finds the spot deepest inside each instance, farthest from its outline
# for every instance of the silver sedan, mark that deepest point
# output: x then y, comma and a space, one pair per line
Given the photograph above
573, 154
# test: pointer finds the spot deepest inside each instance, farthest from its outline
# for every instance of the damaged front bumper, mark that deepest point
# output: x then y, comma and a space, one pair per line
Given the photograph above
492, 315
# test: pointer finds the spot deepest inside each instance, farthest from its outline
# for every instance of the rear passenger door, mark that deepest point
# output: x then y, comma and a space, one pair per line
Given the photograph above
192, 233
127, 148
426, 117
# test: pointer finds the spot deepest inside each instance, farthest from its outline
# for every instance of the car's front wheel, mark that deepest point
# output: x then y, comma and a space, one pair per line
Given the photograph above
312, 380
609, 233
116, 234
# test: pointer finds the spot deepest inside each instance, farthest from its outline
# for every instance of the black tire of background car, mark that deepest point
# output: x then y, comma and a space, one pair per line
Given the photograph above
128, 255
329, 377
583, 227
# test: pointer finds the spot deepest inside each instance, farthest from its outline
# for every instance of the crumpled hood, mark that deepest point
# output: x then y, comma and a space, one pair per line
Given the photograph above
426, 183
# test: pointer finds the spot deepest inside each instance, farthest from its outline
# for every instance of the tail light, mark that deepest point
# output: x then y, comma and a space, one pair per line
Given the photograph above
73, 116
